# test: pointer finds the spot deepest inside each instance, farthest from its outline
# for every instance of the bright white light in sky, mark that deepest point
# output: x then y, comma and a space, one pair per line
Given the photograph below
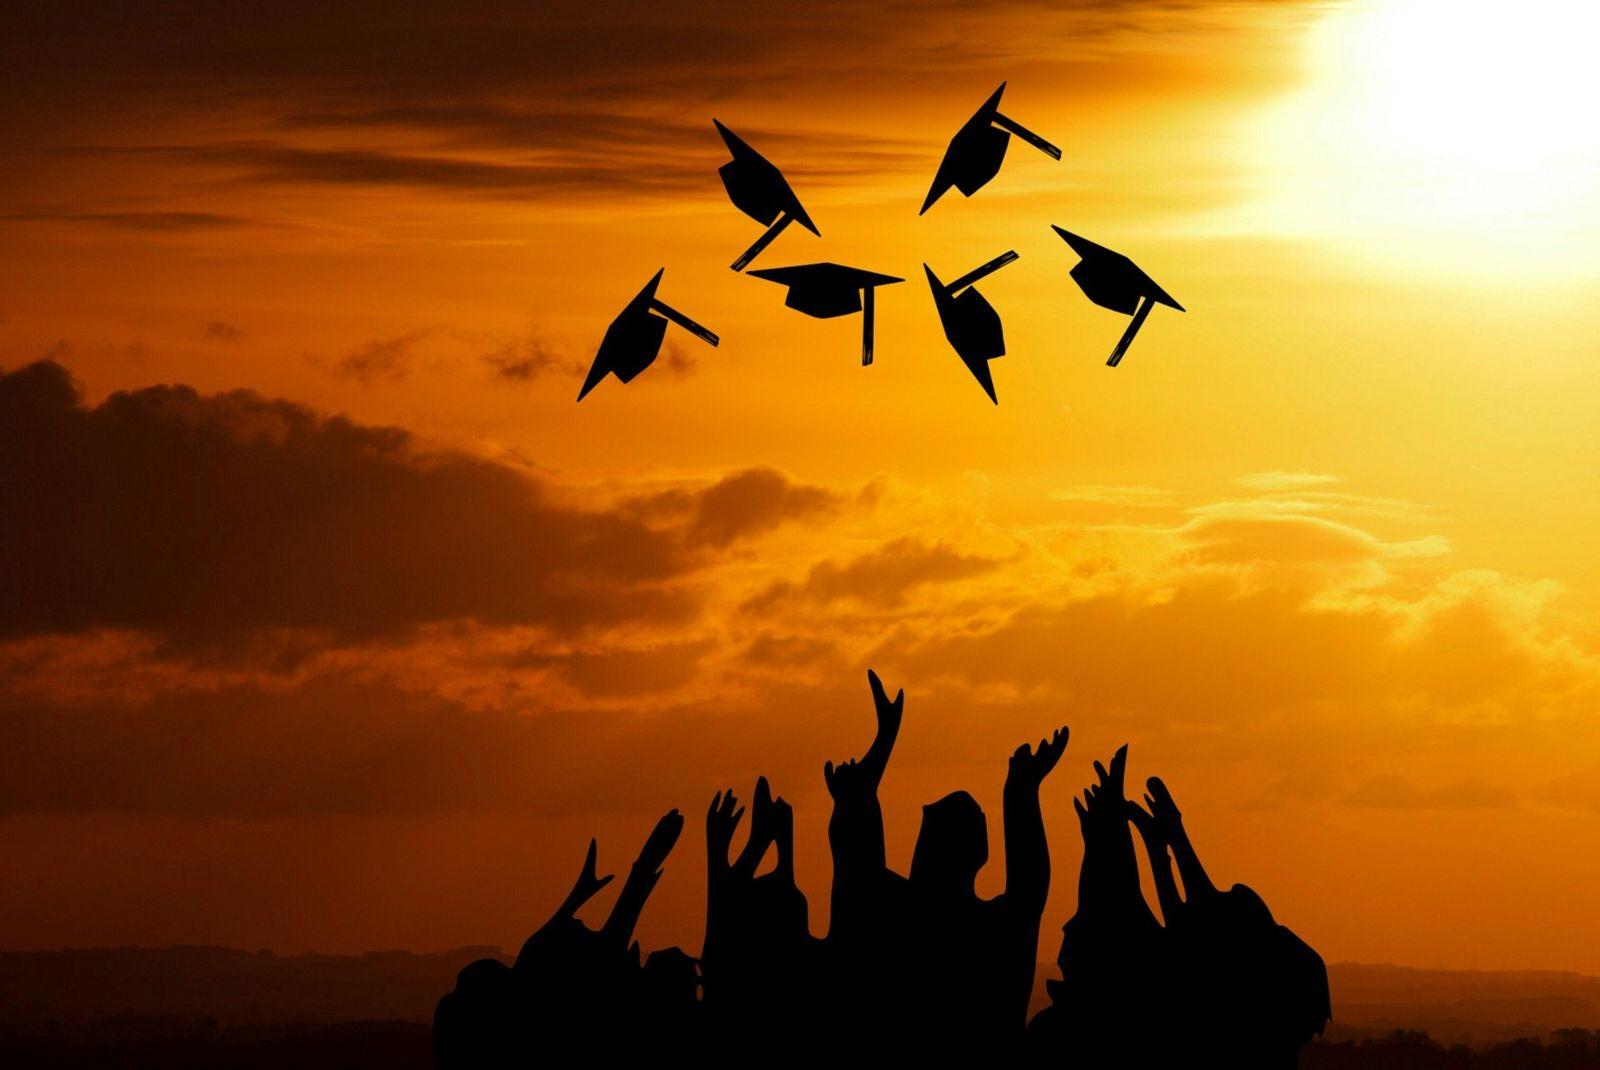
1443, 130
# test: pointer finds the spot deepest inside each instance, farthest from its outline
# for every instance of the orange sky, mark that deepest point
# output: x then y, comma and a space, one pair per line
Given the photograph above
275, 672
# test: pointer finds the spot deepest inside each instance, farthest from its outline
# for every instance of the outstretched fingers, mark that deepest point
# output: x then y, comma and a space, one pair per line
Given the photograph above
587, 884
880, 697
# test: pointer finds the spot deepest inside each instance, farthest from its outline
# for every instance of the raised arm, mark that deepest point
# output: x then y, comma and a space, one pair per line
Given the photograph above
642, 879
889, 715
1110, 874
1160, 861
1027, 850
584, 888
855, 830
1196, 882
783, 838
761, 832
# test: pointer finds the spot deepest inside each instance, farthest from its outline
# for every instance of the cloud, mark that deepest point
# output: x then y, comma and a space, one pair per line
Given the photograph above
1390, 791
738, 506
1102, 494
203, 517
1290, 540
218, 331
531, 357
882, 577
386, 357
1280, 480
159, 222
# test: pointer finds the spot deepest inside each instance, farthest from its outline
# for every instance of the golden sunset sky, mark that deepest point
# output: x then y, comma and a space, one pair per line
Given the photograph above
329, 621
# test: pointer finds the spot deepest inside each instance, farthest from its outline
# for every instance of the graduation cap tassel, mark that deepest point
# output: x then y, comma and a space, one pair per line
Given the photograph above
868, 304
762, 242
1027, 135
702, 333
982, 271
1133, 328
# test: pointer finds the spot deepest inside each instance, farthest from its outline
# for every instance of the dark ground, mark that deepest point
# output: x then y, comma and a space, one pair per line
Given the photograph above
183, 1007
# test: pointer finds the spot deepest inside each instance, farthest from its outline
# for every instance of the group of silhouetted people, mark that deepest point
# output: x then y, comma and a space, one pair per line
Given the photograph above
914, 966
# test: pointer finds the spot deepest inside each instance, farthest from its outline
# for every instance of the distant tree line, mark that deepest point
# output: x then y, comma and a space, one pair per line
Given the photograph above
1412, 1050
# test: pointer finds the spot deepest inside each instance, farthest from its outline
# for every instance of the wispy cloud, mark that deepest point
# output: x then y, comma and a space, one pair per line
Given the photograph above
1280, 480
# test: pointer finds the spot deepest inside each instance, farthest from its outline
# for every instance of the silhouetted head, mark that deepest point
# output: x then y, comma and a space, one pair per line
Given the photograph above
953, 844
671, 979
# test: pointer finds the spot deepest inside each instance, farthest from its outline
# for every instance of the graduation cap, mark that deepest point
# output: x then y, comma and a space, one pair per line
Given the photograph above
827, 290
970, 321
758, 189
633, 340
976, 151
1112, 281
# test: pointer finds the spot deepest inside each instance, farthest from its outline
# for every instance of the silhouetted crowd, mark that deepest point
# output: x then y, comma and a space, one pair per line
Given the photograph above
914, 966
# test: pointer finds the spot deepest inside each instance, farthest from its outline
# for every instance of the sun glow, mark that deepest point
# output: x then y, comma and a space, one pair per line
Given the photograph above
1446, 126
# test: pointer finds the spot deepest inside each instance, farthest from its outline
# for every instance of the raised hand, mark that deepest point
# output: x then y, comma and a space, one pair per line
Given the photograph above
1030, 766
585, 887
1196, 882
755, 848
1145, 822
642, 879
663, 838
1105, 802
846, 781
889, 716
1163, 811
721, 821
889, 713
784, 837
1112, 782
1155, 845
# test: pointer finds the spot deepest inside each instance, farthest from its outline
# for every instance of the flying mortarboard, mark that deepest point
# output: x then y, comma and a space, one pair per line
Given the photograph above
975, 153
970, 321
633, 340
827, 290
758, 189
1112, 281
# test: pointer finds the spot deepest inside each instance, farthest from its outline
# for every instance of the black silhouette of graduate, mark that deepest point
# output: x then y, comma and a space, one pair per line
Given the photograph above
979, 147
1243, 986
827, 290
970, 322
633, 341
570, 983
1112, 281
763, 970
1107, 1006
924, 964
758, 189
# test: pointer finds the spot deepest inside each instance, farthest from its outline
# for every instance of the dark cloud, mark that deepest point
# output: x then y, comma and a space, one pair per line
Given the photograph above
678, 361
623, 671
736, 506
274, 163
532, 357
676, 159
148, 221
389, 358
512, 101
882, 577
602, 139
202, 517
207, 517
218, 331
